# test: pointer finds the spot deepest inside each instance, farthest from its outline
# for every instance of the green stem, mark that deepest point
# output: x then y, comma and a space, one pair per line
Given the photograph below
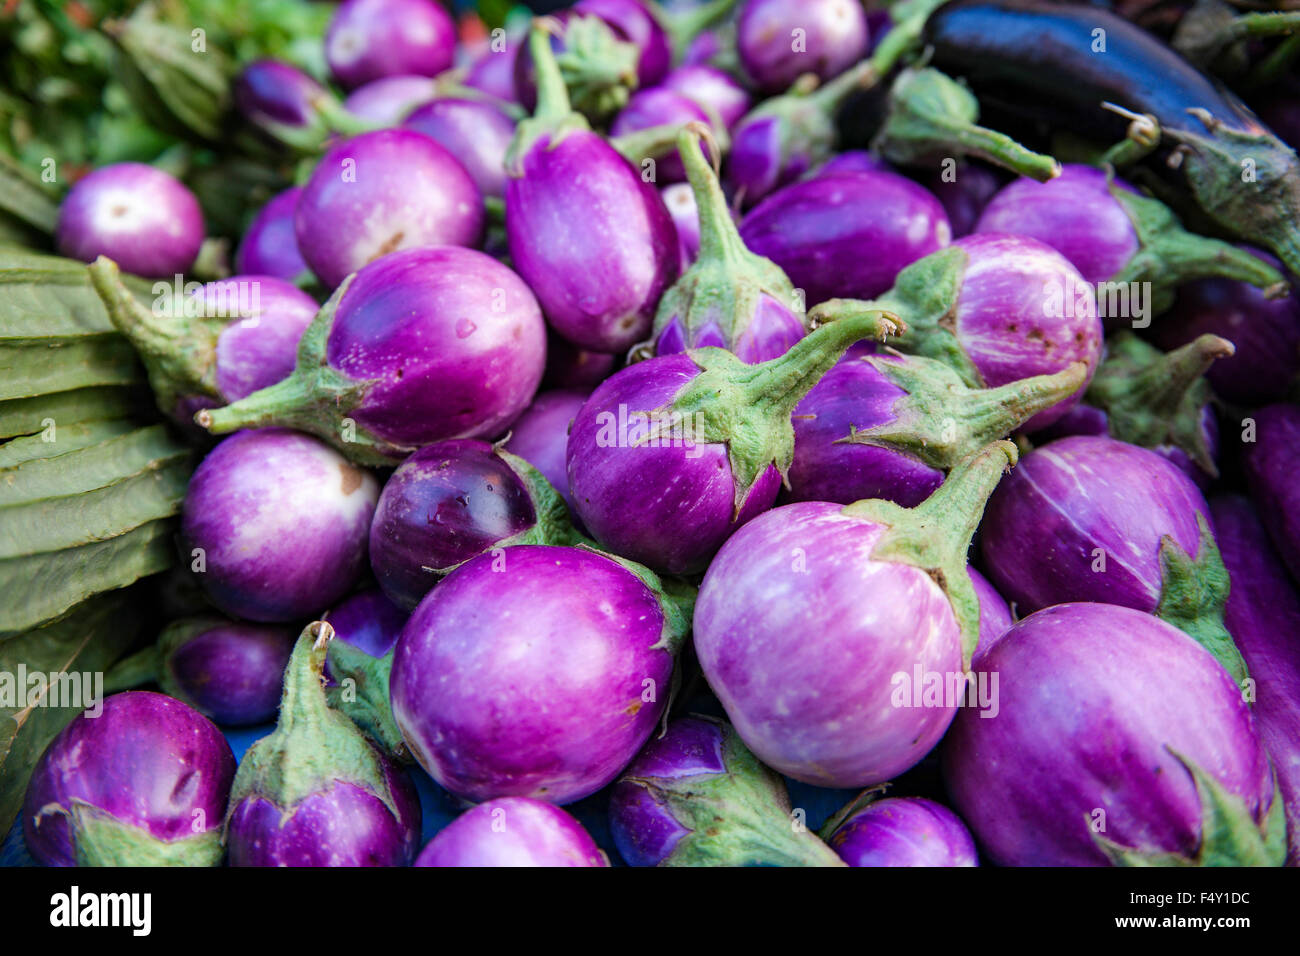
303, 706
277, 404
552, 95
1262, 25
682, 26
719, 237
831, 95
1275, 65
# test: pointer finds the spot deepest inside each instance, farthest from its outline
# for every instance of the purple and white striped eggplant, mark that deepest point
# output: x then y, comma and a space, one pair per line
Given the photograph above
696, 796
369, 39
540, 436
1169, 770
476, 132
316, 792
270, 246
359, 662
837, 637
900, 831
1272, 470
513, 831
780, 40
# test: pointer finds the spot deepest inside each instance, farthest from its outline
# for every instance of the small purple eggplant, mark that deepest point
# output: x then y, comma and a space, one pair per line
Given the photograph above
780, 40
369, 39
229, 672
144, 782
270, 246
997, 309
315, 792
493, 72
513, 831
964, 191
846, 235
838, 637
571, 367
1170, 771
474, 131
1089, 518
696, 796
995, 613
275, 522
417, 347
381, 192
591, 238
289, 107
900, 831
659, 106
536, 672
540, 436
390, 99
359, 662
713, 89
140, 217
1272, 466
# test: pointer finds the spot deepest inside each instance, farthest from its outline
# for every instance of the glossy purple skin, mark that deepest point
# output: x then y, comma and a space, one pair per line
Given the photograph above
669, 508
494, 72
592, 239
389, 99
382, 192
345, 825
965, 197
852, 161
846, 236
270, 246
369, 39
1007, 323
233, 672
476, 133
1074, 213
571, 367
1273, 473
282, 519
140, 217
446, 503
512, 831
853, 394
275, 92
1091, 699
368, 621
799, 631
757, 164
257, 348
540, 436
530, 682
148, 760
768, 334
658, 106
1263, 617
995, 613
632, 21
904, 831
679, 199
1070, 497
643, 829
713, 88
1266, 334
835, 37
453, 341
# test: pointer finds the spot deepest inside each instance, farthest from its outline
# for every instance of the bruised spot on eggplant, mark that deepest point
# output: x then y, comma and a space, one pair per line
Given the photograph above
352, 477
393, 243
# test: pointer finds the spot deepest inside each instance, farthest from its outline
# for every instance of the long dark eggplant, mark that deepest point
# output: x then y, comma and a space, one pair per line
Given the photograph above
1073, 59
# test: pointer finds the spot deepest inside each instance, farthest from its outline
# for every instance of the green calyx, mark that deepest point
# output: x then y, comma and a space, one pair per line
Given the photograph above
553, 524
683, 25
1210, 28
942, 421
676, 600
741, 817
935, 536
313, 746
1152, 398
1229, 834
360, 691
103, 840
932, 117
599, 70
151, 664
554, 117
858, 803
1193, 593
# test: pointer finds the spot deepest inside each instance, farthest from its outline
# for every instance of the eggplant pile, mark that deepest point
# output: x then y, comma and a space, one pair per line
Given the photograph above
644, 424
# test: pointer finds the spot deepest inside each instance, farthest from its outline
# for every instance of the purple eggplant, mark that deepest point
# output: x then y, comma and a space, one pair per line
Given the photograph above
275, 524
451, 501
270, 246
289, 107
837, 637
998, 309
659, 106
1272, 466
140, 217
696, 796
846, 235
780, 40
359, 662
474, 131
592, 239
1263, 615
316, 792
143, 782
1117, 740
493, 72
851, 161
419, 346
540, 436
995, 613
380, 192
571, 367
671, 455
713, 89
679, 199
512, 831
228, 671
1089, 518
535, 672
901, 831
389, 100
369, 39
635, 22
964, 190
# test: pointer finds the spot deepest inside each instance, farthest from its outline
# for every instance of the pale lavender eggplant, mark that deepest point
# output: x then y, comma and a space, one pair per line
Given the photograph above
278, 522
660, 106
995, 613
144, 783
260, 346
390, 99
381, 192
550, 675
679, 199
965, 195
474, 131
270, 246
1263, 615
512, 831
904, 831
1104, 712
834, 38
540, 435
846, 236
369, 39
142, 218
631, 20
713, 89
493, 72
1273, 473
